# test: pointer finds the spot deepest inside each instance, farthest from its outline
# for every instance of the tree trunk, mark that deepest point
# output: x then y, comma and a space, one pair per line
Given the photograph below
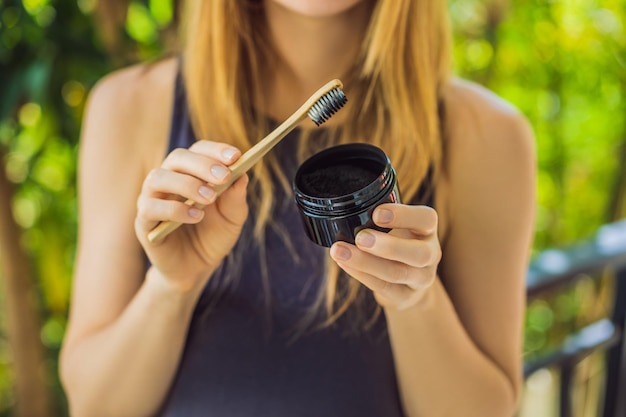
23, 322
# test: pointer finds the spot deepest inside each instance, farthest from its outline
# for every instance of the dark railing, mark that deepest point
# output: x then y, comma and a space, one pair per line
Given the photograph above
555, 269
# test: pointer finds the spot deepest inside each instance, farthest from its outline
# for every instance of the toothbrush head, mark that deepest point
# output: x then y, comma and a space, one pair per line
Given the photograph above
327, 105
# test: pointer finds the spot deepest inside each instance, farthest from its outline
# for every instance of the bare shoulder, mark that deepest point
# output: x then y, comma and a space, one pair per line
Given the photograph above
124, 135
131, 107
136, 84
478, 119
489, 153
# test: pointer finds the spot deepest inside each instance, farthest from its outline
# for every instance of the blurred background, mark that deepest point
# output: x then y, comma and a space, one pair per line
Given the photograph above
561, 62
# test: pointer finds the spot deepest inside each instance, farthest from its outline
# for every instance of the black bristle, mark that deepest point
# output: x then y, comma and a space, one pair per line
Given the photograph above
327, 105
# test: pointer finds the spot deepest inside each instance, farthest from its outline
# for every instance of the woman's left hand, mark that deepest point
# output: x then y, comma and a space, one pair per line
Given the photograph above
397, 266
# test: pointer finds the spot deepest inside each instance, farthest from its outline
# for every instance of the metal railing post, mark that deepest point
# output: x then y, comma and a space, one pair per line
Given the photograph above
615, 387
565, 390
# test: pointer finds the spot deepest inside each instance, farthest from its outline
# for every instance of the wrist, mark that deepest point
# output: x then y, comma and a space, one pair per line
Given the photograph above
184, 291
422, 300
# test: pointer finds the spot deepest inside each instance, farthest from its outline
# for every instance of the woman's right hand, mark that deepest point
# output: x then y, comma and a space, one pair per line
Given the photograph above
188, 256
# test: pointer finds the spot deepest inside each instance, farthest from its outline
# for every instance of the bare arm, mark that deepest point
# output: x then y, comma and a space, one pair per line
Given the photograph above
457, 348
127, 330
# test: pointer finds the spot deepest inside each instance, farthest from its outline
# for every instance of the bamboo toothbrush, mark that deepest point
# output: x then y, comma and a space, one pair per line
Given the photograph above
319, 107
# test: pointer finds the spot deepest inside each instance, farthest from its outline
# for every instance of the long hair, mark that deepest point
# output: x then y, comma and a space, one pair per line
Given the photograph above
395, 91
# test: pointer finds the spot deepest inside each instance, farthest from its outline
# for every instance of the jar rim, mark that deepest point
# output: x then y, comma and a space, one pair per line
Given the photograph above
344, 204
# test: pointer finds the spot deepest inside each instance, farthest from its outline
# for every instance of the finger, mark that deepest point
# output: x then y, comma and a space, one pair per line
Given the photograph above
221, 152
232, 204
417, 253
151, 211
421, 220
385, 288
200, 166
161, 181
387, 270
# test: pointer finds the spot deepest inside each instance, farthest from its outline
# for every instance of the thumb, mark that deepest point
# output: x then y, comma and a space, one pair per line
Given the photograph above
232, 204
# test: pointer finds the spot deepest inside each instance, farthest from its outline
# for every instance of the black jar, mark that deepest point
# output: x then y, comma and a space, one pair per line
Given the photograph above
338, 188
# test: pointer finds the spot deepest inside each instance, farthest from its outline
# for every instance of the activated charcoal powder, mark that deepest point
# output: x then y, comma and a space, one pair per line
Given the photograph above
340, 179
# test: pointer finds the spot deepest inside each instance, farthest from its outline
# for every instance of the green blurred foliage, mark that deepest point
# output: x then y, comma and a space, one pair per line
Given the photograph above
561, 62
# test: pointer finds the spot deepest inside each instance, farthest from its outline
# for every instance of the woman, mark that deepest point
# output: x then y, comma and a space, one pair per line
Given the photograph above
205, 326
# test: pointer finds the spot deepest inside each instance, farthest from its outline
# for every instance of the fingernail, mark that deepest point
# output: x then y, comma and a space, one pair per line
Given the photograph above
382, 216
342, 253
195, 213
219, 172
206, 192
365, 239
229, 153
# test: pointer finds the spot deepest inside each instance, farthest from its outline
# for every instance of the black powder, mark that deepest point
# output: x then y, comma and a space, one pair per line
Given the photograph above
338, 180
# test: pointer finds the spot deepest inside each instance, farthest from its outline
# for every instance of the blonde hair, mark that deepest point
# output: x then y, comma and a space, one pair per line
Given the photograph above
395, 89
